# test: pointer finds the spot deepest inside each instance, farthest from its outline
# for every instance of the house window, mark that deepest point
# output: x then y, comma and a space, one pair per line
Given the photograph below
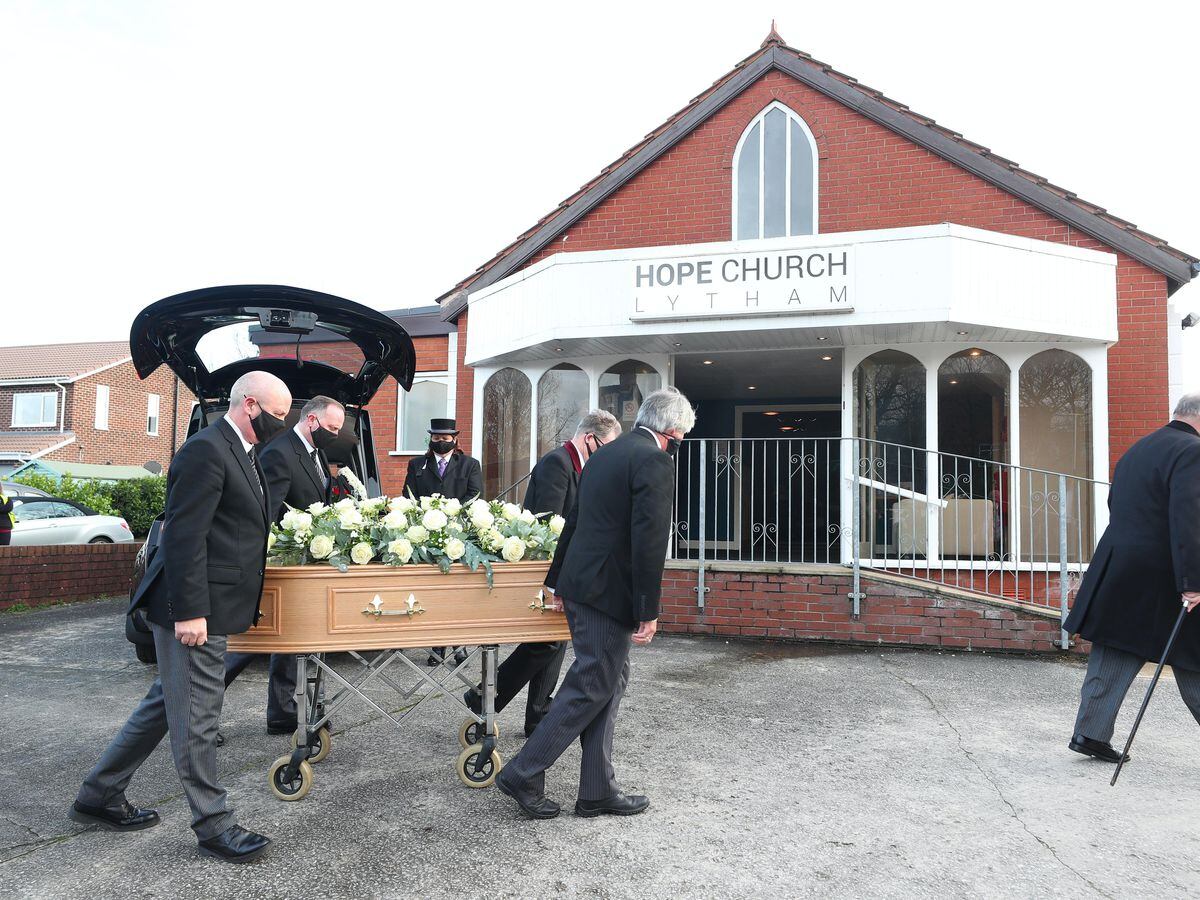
426, 400
507, 410
775, 177
152, 414
102, 407
33, 410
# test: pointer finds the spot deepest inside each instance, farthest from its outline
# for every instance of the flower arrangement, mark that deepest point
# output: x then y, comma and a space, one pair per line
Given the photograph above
402, 531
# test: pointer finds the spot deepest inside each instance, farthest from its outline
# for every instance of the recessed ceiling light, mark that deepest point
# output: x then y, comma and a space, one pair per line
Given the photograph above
976, 352
558, 349
827, 358
770, 414
787, 428
751, 388
822, 339
962, 333
954, 381
708, 362
678, 344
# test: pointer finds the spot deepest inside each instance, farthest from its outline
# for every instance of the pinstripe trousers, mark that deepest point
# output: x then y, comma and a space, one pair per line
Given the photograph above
1110, 672
185, 700
585, 707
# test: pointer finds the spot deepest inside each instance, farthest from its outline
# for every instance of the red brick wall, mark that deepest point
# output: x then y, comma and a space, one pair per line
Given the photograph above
38, 576
815, 607
6, 407
125, 442
431, 357
871, 178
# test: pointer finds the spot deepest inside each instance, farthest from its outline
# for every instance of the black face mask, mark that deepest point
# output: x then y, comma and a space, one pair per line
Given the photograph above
672, 445
266, 426
322, 438
441, 446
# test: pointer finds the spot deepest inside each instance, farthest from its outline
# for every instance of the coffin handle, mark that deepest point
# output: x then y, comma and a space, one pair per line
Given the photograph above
411, 608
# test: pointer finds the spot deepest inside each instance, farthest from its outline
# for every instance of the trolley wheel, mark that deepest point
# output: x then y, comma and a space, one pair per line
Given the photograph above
471, 732
466, 767
290, 790
320, 749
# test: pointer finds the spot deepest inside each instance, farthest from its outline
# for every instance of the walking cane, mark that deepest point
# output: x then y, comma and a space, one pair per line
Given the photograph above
1150, 690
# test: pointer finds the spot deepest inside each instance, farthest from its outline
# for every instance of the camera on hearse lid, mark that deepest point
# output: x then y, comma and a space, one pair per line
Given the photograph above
285, 321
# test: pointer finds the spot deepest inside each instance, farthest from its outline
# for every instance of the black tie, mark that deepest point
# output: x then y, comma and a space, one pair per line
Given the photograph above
254, 467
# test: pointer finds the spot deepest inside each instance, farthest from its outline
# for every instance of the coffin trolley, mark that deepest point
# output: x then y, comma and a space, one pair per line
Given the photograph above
309, 611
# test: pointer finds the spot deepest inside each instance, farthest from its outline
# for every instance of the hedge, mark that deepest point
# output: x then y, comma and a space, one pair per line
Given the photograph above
138, 500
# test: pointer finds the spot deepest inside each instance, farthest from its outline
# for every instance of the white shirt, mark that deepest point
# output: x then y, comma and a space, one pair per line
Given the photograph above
246, 445
653, 434
303, 434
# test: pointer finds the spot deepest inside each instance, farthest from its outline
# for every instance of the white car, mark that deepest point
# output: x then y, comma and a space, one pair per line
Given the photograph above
52, 520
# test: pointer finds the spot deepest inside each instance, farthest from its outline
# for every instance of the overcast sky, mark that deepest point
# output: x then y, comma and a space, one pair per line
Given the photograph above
383, 150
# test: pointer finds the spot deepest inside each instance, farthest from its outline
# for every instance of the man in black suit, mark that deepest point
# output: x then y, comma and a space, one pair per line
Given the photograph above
1147, 562
297, 476
202, 584
552, 487
607, 572
444, 469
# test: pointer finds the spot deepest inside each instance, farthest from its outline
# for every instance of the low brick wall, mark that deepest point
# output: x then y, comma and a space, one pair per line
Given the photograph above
811, 604
35, 576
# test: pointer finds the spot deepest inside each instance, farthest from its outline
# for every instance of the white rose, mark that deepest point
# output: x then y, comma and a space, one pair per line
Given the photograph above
454, 528
371, 505
455, 548
294, 520
482, 519
434, 520
417, 534
511, 512
495, 539
478, 507
533, 542
350, 519
395, 519
557, 523
316, 509
321, 546
427, 502
361, 553
270, 540
513, 549
401, 548
345, 503
401, 504
452, 506
527, 517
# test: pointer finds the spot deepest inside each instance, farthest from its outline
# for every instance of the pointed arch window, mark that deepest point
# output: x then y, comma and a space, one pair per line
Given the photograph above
775, 177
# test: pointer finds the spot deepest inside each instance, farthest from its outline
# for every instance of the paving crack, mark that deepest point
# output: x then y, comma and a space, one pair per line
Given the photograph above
1012, 809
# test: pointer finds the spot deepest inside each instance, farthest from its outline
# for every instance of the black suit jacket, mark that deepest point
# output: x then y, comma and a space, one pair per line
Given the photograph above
292, 479
612, 550
553, 484
212, 554
463, 479
1150, 552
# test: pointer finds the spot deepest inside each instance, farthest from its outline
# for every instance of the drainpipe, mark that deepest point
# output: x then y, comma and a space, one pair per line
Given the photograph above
174, 420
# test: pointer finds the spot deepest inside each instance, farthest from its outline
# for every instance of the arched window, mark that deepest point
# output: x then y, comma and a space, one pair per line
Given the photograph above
562, 402
775, 177
623, 388
507, 402
1056, 437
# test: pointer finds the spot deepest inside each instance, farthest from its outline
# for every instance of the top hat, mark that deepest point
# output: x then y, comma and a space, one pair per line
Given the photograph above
442, 426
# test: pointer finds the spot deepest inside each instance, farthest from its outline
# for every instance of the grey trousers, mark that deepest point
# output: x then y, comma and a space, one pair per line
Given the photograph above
186, 701
585, 707
1110, 672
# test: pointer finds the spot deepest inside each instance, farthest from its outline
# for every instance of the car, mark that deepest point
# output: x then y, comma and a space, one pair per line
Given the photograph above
15, 488
169, 331
54, 520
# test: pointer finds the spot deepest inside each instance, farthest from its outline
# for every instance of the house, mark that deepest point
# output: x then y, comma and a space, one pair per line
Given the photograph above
908, 354
72, 404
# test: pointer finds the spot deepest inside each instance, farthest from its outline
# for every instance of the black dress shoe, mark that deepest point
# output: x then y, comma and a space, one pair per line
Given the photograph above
536, 806
281, 727
124, 817
460, 656
1099, 749
220, 739
474, 701
616, 805
235, 844
436, 655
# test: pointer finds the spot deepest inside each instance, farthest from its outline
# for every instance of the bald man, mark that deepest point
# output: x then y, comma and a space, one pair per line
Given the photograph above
202, 584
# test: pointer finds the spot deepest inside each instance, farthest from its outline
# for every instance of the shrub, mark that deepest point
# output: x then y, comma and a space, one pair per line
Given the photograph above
140, 501
93, 494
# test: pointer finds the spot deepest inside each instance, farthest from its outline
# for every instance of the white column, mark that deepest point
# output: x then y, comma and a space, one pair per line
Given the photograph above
451, 375
933, 531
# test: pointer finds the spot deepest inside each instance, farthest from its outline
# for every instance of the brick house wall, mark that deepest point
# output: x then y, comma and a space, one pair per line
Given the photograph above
6, 406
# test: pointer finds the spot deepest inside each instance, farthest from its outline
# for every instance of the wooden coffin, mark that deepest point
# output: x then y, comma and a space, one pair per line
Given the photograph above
314, 609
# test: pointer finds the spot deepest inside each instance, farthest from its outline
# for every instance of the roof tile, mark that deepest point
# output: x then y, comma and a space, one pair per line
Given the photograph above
62, 362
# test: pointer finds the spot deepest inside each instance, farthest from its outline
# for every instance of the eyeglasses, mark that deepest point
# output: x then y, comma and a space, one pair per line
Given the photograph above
599, 443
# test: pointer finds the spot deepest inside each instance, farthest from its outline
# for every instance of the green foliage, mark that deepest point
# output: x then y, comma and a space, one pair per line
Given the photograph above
140, 501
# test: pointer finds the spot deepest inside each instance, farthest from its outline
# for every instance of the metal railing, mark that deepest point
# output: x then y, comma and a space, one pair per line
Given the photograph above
982, 525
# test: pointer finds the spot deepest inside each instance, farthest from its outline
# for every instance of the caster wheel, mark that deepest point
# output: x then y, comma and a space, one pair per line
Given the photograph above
471, 732
466, 767
321, 746
290, 790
